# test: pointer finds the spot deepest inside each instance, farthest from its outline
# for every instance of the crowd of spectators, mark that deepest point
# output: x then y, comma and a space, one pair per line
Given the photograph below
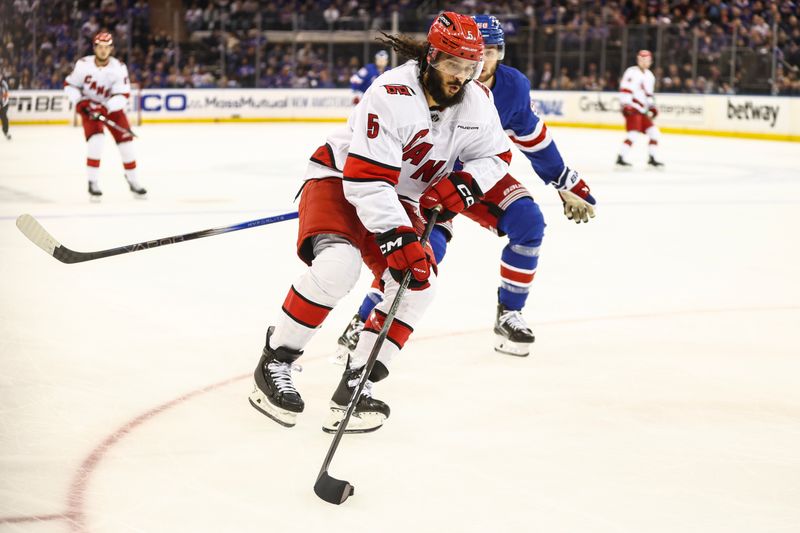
576, 44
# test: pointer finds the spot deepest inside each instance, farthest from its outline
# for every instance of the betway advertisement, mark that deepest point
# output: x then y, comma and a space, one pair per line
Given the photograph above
749, 116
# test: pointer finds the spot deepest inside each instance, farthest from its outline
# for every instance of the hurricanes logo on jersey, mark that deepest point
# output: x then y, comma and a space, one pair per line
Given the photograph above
415, 152
401, 89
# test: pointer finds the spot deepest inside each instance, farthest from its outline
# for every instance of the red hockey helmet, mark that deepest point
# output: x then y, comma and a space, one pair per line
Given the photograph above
103, 38
456, 45
458, 35
644, 53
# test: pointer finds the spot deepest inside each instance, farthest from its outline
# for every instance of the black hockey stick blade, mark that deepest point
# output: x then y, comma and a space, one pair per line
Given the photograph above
332, 490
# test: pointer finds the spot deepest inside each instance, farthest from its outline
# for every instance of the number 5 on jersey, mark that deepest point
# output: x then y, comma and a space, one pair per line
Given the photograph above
373, 128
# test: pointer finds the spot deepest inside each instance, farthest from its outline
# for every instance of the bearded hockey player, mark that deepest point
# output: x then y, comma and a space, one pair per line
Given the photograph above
508, 209
365, 193
99, 88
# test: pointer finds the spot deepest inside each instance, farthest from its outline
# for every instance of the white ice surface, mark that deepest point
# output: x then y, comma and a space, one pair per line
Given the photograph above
662, 394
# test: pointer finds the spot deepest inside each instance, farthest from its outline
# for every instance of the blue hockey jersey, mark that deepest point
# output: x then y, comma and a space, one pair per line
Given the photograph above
528, 132
361, 80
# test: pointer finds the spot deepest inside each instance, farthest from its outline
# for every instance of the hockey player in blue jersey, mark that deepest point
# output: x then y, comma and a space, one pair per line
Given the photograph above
508, 209
361, 80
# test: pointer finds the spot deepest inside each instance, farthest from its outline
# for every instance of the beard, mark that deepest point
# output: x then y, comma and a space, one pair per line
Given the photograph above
435, 85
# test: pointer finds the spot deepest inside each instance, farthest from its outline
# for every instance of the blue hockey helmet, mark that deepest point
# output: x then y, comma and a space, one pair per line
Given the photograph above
492, 32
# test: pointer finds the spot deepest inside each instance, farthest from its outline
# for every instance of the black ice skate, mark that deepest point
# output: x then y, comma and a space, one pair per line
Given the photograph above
513, 336
95, 194
622, 163
652, 163
369, 413
274, 393
349, 340
137, 190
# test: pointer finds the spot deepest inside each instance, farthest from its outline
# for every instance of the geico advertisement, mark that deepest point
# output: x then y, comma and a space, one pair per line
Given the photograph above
244, 103
605, 108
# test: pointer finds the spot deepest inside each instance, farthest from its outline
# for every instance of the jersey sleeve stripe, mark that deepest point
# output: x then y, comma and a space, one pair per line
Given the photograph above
624, 90
360, 168
505, 156
524, 143
324, 156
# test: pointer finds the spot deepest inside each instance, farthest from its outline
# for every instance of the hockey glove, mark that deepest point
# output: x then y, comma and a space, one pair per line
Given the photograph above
456, 192
653, 112
91, 109
403, 251
576, 197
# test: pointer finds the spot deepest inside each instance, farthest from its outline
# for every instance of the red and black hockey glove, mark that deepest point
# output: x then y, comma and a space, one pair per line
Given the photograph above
653, 112
403, 251
90, 109
456, 192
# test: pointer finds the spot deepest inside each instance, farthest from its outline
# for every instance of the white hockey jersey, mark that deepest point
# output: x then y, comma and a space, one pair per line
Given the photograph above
636, 89
394, 147
108, 85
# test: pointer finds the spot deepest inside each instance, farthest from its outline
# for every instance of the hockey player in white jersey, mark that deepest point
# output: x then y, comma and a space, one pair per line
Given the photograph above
369, 186
99, 88
639, 108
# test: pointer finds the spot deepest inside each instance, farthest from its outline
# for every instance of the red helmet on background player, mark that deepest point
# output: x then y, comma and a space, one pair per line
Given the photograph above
103, 37
456, 45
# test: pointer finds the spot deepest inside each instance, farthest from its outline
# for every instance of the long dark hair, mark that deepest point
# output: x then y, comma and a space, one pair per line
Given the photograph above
407, 47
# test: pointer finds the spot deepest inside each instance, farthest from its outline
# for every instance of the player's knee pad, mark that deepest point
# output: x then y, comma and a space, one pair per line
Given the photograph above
523, 222
336, 267
94, 146
653, 133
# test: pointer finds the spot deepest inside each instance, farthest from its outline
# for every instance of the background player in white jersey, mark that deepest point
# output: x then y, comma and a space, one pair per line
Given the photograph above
99, 88
362, 196
4, 96
639, 108
361, 80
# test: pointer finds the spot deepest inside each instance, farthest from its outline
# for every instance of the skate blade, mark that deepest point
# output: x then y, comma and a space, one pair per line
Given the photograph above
364, 422
505, 346
340, 357
283, 417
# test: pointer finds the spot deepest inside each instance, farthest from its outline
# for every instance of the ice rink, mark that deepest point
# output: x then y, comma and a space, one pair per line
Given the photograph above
662, 394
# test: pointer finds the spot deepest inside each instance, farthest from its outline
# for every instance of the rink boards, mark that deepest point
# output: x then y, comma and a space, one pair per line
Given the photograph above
759, 117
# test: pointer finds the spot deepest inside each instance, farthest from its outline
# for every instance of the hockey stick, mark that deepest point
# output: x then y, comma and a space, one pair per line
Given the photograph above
328, 488
39, 236
110, 123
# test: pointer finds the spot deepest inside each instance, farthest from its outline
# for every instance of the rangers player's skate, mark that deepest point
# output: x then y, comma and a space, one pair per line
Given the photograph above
655, 164
621, 163
95, 194
513, 336
274, 393
369, 413
348, 341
